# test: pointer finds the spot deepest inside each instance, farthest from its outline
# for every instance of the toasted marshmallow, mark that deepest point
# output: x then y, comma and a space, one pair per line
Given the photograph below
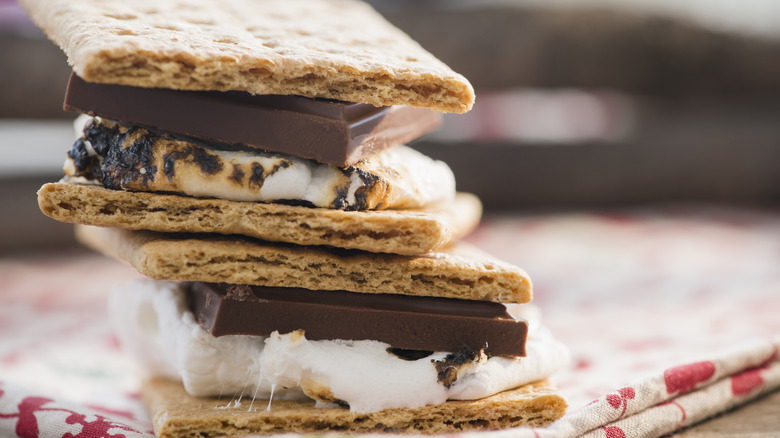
132, 158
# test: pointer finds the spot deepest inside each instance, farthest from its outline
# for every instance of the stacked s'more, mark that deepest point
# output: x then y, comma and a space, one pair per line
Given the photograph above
305, 270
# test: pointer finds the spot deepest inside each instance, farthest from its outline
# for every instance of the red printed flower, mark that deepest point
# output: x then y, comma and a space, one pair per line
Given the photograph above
613, 432
684, 378
27, 422
746, 382
621, 399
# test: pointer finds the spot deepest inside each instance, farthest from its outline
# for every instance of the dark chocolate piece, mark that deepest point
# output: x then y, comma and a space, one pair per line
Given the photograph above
327, 131
418, 323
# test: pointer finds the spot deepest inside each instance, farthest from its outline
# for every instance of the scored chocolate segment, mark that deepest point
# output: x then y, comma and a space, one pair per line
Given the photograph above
416, 323
327, 131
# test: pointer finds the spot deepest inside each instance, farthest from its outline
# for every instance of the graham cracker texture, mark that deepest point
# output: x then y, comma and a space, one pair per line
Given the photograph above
177, 414
337, 49
458, 271
407, 232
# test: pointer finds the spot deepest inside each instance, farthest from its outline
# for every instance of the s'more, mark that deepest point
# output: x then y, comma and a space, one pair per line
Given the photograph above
305, 269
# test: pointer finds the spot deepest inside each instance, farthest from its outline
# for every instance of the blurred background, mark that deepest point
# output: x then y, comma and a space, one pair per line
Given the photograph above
581, 104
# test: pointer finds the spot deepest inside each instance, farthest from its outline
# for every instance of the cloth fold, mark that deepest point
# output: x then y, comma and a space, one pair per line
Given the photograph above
678, 397
696, 406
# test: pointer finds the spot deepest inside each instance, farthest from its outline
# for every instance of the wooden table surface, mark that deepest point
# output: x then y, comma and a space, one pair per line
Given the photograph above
759, 419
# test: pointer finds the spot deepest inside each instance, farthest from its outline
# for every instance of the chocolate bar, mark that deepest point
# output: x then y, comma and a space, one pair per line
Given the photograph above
414, 323
327, 131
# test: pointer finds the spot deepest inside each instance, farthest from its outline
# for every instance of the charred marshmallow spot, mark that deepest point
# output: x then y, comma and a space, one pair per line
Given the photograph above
361, 194
256, 177
103, 135
209, 164
82, 163
132, 164
449, 369
325, 186
238, 174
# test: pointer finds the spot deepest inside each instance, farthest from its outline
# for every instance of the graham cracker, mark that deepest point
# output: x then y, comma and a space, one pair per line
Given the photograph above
177, 414
336, 49
407, 232
457, 271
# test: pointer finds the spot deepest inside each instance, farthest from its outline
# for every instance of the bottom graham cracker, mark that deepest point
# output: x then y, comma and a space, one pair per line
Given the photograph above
177, 414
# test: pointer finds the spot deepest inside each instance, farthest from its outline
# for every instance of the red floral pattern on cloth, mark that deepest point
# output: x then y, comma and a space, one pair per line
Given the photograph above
61, 372
620, 400
745, 383
671, 316
686, 377
36, 417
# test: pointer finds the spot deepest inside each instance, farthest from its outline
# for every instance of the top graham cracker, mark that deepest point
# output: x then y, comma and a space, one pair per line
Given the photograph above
336, 49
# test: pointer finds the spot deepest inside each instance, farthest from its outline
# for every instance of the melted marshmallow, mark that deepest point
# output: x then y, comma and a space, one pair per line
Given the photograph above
153, 322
